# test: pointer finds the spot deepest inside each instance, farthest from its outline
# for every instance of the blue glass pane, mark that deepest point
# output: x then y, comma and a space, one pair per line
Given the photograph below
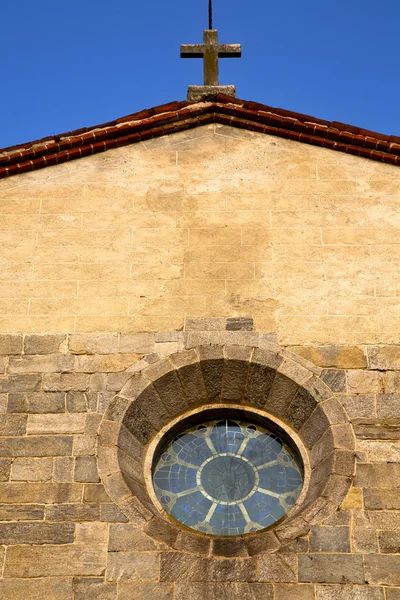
192, 449
227, 436
262, 449
227, 477
227, 520
264, 509
190, 509
176, 478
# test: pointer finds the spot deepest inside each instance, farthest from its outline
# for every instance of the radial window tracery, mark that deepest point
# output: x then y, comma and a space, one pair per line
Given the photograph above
227, 477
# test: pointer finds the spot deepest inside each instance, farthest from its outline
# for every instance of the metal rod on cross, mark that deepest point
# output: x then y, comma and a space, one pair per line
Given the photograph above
210, 51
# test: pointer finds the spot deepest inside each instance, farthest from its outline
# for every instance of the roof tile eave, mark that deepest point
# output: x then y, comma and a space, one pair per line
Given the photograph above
179, 115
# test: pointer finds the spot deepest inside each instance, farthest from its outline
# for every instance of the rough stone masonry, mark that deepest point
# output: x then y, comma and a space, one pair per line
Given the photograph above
200, 239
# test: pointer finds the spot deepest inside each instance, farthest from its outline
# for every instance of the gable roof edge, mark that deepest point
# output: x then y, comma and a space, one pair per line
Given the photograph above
179, 116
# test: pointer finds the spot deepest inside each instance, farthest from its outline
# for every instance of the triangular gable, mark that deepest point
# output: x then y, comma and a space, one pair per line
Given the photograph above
178, 116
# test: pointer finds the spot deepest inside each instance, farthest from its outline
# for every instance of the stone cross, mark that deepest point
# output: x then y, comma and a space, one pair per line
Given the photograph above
210, 51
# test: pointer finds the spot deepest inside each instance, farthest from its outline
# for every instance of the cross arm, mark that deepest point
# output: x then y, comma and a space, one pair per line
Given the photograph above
229, 50
192, 50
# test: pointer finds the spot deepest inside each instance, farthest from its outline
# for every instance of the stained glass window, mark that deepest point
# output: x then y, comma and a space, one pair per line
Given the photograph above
227, 477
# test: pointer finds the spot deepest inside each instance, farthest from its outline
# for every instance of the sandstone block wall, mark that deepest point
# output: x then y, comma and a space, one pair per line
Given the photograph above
211, 237
213, 222
62, 538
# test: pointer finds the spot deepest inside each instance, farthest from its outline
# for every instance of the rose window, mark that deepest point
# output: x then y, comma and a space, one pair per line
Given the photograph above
227, 477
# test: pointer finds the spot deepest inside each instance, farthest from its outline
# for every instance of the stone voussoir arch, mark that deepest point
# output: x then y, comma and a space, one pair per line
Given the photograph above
277, 383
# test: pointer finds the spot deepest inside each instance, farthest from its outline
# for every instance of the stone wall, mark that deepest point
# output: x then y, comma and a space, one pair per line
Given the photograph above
63, 538
212, 222
209, 238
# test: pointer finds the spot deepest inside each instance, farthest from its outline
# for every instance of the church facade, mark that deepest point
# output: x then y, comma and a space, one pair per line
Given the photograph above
200, 359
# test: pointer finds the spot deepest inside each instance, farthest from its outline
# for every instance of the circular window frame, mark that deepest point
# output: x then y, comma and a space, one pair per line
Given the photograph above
216, 376
231, 411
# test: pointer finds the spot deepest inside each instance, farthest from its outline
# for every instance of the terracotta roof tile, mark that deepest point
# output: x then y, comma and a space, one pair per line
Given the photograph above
178, 116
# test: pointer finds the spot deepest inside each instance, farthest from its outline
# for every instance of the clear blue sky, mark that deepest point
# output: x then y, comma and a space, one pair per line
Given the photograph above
66, 65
